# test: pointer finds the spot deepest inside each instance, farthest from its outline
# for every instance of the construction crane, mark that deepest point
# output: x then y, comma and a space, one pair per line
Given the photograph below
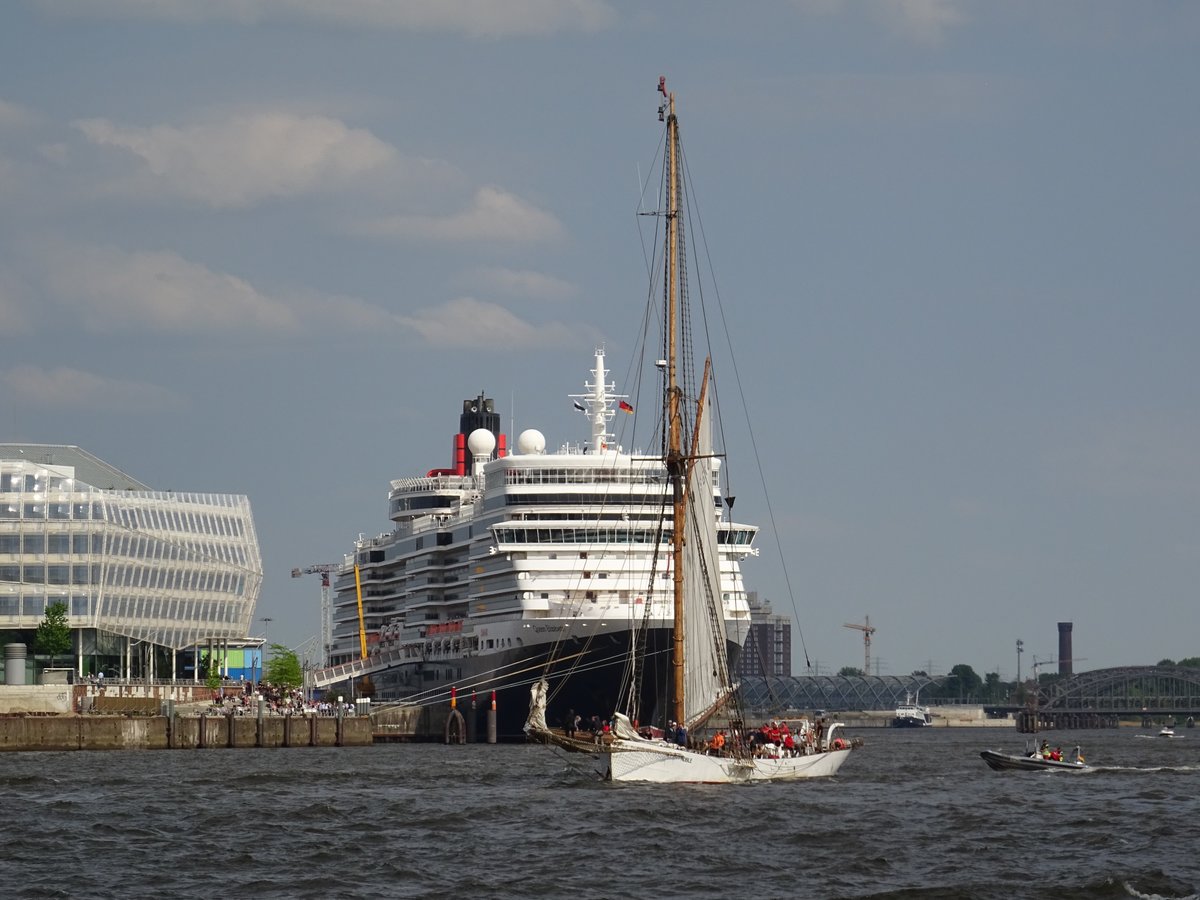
867, 629
326, 604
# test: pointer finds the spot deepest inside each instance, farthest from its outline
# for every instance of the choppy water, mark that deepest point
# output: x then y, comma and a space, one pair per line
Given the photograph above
914, 814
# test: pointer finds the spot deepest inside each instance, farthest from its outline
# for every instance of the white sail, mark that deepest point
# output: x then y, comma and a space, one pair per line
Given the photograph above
706, 667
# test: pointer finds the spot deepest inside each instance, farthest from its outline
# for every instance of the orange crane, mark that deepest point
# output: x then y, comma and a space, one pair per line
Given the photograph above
868, 629
323, 570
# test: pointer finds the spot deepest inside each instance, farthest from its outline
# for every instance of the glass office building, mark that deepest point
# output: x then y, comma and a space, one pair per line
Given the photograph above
144, 574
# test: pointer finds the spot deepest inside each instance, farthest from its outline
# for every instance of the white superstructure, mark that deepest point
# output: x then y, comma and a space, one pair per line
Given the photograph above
490, 563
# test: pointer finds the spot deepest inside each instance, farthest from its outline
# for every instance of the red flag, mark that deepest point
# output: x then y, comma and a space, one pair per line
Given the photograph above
626, 407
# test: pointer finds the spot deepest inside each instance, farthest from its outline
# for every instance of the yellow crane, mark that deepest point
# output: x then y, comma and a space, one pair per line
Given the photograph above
867, 629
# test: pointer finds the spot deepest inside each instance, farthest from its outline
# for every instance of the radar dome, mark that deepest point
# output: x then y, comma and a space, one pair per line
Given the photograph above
481, 442
531, 441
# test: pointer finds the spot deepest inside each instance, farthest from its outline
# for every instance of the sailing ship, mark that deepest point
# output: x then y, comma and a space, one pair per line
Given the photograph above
701, 686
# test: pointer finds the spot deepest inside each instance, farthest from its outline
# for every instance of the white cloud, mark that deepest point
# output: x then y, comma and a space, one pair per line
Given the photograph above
64, 388
470, 323
495, 215
159, 291
476, 18
246, 158
517, 283
105, 290
13, 116
922, 21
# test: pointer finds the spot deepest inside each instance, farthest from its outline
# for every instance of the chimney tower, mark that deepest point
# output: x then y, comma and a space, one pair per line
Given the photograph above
1065, 655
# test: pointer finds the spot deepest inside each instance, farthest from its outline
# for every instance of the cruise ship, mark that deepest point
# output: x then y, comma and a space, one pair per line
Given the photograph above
514, 564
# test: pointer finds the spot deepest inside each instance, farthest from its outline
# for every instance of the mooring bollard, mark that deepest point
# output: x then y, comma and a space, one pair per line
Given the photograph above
491, 723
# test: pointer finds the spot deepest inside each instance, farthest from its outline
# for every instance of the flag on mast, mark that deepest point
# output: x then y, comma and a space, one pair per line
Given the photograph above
579, 406
626, 407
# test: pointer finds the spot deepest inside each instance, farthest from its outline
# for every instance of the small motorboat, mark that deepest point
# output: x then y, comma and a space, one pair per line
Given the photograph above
1167, 732
1032, 760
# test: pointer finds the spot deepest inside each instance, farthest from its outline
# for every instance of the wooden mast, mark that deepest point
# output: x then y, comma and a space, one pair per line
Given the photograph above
675, 459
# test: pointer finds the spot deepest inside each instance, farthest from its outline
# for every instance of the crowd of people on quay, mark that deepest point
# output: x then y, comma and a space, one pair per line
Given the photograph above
242, 700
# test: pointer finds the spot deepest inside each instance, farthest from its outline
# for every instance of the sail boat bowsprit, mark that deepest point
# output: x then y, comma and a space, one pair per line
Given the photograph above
700, 682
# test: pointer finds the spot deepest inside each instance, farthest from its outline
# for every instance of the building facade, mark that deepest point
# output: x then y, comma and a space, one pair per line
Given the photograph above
145, 575
768, 647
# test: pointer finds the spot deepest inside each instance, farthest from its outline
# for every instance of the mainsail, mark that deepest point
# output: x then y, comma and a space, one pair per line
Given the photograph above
706, 664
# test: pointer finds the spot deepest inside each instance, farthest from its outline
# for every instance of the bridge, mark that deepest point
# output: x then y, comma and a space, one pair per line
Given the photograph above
1099, 698
1105, 696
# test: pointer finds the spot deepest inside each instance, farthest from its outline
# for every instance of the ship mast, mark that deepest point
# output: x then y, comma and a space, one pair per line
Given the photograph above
675, 456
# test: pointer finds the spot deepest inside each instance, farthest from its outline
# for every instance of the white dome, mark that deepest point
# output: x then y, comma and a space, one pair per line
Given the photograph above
481, 442
531, 441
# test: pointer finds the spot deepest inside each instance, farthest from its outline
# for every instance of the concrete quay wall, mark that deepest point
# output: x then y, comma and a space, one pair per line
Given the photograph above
73, 732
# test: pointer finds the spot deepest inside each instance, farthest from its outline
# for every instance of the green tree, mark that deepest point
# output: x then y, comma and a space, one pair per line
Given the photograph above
962, 683
1166, 662
992, 681
53, 635
1192, 662
850, 670
283, 668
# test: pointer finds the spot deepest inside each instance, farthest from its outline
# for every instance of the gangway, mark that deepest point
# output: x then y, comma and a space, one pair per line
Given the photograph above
376, 662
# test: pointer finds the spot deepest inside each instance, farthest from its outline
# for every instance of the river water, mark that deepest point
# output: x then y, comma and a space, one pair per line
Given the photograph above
912, 814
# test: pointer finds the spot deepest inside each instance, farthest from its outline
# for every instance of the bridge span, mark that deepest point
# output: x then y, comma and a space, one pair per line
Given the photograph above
1103, 697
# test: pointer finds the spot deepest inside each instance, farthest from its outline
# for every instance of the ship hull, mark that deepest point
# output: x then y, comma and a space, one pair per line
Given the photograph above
415, 698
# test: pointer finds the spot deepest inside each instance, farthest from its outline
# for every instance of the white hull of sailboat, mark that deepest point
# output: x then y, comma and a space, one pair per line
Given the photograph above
660, 763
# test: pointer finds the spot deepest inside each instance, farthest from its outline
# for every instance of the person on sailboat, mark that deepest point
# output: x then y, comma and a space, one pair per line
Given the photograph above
717, 745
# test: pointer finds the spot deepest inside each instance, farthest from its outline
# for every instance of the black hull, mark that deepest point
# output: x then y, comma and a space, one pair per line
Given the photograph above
586, 679
1006, 762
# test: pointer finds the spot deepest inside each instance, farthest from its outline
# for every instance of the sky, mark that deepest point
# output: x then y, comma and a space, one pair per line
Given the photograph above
268, 247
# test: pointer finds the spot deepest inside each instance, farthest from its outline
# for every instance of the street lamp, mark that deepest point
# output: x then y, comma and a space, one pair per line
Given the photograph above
262, 651
1020, 647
